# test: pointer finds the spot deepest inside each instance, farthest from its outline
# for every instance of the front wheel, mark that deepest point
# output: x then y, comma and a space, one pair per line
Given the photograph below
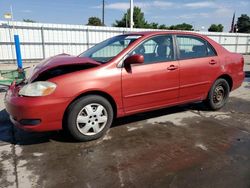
218, 94
89, 117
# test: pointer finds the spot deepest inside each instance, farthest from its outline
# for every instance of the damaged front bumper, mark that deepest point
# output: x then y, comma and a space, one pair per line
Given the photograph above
35, 113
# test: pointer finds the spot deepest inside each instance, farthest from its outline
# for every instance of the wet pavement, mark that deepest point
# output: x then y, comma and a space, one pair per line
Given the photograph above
184, 146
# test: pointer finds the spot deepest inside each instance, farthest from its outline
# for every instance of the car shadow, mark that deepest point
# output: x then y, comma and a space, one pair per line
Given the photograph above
247, 74
157, 113
13, 135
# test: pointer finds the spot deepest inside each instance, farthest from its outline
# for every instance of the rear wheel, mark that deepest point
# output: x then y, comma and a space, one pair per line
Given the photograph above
89, 117
218, 94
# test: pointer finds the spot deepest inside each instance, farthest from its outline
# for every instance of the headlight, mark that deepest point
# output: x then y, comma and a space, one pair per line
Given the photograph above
36, 89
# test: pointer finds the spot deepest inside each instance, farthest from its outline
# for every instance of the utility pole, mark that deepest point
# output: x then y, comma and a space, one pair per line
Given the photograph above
103, 5
9, 16
131, 13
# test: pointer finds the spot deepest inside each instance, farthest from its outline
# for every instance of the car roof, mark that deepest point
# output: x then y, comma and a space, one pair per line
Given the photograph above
218, 48
150, 33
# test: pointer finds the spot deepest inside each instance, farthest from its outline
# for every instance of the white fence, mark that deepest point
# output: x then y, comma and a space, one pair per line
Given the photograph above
39, 40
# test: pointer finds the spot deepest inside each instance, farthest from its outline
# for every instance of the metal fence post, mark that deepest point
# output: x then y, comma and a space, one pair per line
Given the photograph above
247, 44
220, 39
236, 44
43, 43
87, 37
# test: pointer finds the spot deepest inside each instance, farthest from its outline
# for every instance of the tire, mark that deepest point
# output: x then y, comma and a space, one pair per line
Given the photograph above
89, 117
218, 94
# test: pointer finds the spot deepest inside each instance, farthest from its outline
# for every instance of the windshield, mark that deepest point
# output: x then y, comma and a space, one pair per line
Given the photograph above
108, 49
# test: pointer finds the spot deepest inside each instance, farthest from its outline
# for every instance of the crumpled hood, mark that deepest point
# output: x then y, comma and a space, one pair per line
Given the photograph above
61, 61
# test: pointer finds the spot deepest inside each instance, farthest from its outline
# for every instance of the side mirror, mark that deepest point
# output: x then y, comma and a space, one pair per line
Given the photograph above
134, 59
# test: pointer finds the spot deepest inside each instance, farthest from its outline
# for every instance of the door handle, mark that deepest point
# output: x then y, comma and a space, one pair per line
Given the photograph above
212, 62
172, 67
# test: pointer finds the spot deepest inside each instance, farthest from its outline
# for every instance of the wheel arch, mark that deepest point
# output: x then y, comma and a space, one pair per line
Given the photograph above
94, 92
228, 78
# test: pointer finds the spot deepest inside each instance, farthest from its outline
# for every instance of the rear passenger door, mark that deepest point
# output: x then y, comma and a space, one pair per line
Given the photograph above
198, 66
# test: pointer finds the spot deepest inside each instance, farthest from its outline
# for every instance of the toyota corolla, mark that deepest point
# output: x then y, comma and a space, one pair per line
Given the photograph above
120, 76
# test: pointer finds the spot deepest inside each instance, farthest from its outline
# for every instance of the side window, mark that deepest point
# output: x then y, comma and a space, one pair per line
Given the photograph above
210, 50
156, 49
193, 47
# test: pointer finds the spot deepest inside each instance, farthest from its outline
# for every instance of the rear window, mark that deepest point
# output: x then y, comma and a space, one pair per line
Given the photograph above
194, 47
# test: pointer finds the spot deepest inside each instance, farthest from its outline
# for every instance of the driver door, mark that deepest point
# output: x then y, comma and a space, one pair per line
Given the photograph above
155, 83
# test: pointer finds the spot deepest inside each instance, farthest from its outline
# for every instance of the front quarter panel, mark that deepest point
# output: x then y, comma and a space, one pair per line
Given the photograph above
105, 79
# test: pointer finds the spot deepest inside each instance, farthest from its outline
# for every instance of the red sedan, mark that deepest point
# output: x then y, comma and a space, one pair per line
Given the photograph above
120, 76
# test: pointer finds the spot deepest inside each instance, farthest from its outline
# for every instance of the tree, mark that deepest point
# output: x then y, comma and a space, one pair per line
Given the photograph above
216, 28
243, 24
140, 22
95, 21
29, 20
183, 26
163, 26
153, 25
138, 17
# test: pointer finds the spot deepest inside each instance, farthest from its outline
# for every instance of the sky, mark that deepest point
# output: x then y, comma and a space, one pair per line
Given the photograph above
201, 14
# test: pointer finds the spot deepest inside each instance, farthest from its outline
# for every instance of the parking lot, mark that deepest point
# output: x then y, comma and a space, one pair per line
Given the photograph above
184, 146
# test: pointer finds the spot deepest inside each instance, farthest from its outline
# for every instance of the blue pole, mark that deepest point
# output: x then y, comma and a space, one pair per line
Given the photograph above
18, 52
